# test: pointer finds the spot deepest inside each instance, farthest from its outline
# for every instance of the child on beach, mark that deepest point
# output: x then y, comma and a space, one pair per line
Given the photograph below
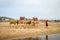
46, 22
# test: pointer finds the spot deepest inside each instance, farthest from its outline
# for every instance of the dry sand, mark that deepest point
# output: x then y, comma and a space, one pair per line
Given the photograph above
11, 31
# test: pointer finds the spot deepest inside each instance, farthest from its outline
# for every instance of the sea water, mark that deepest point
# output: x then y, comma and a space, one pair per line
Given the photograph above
44, 37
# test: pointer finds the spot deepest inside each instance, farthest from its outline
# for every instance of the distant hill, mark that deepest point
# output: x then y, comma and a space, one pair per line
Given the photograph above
5, 18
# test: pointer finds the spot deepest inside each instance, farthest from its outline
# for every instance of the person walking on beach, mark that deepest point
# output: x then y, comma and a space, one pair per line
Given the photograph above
46, 22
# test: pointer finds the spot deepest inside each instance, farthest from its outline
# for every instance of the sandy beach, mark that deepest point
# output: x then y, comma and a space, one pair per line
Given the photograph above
10, 31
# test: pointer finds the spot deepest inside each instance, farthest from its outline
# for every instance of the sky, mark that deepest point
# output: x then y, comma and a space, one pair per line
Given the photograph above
42, 9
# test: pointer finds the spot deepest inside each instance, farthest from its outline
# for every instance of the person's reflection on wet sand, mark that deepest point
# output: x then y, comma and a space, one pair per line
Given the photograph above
46, 37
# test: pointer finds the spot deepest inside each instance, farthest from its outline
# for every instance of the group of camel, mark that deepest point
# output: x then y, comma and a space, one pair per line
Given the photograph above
29, 21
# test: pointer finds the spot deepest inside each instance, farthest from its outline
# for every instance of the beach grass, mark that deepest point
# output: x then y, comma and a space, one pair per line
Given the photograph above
10, 31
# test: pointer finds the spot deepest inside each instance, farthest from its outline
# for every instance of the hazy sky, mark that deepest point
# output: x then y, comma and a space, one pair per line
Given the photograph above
43, 9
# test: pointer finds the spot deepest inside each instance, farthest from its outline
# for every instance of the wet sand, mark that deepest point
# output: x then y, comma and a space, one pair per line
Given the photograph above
13, 31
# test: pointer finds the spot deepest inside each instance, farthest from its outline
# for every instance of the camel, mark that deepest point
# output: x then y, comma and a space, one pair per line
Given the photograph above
14, 22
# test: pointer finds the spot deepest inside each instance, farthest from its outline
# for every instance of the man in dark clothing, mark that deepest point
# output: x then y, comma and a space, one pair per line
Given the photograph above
46, 23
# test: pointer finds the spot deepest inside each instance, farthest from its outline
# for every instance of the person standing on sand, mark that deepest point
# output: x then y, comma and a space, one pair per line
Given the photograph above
46, 22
